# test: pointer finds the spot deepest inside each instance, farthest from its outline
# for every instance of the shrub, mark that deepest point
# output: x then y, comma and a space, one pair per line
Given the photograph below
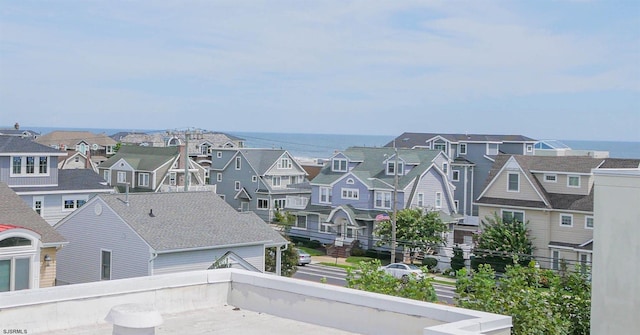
457, 261
430, 262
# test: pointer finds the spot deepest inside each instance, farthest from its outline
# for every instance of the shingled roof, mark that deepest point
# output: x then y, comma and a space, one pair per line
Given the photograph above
187, 220
410, 140
142, 158
14, 211
18, 145
72, 180
71, 138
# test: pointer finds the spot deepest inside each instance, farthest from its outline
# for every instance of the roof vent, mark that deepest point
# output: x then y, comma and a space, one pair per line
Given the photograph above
151, 213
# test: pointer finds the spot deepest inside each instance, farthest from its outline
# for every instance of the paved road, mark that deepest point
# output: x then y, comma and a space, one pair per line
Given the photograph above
336, 276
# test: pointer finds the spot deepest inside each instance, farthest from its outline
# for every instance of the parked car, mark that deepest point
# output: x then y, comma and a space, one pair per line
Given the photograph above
303, 258
401, 270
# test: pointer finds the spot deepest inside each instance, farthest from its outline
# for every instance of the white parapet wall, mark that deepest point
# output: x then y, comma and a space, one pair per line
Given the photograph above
351, 310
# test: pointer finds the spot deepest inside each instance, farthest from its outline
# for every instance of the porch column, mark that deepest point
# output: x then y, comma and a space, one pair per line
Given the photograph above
279, 261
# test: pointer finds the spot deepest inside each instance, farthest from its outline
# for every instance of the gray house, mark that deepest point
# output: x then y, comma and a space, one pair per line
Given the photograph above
259, 180
31, 170
357, 185
471, 158
143, 234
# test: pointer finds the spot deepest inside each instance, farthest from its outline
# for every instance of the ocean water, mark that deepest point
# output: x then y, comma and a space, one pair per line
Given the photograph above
325, 145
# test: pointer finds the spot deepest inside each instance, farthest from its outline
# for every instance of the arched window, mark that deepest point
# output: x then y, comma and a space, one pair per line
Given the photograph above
19, 258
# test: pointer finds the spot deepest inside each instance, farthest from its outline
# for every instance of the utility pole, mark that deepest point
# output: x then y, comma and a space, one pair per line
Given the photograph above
395, 205
186, 160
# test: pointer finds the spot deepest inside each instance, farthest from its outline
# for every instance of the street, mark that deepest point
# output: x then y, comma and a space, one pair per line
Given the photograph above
336, 276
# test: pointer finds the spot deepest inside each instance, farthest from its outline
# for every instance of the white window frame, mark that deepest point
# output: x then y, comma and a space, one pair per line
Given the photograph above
143, 179
442, 146
38, 201
219, 154
445, 167
565, 215
339, 162
391, 166
550, 178
513, 214
586, 222
420, 200
455, 175
76, 201
254, 179
23, 166
382, 199
219, 176
529, 147
280, 203
238, 163
262, 203
102, 264
13, 258
490, 151
276, 181
463, 146
122, 177
324, 195
284, 163
350, 193
569, 181
106, 175
297, 223
237, 185
438, 200
173, 178
555, 259
509, 174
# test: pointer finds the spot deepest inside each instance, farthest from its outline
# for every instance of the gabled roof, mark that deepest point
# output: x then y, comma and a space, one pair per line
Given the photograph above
14, 211
142, 158
72, 180
188, 220
372, 167
410, 140
71, 138
620, 163
16, 145
263, 159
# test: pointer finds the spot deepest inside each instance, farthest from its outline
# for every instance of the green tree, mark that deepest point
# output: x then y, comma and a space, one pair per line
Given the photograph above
499, 241
415, 230
284, 219
457, 261
539, 301
289, 260
368, 276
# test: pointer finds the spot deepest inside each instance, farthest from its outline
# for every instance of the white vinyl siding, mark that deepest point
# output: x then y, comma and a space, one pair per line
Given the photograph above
203, 259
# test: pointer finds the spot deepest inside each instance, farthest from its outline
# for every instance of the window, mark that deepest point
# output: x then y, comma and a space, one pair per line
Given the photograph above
350, 193
15, 273
301, 222
440, 146
463, 148
529, 148
284, 163
71, 203
143, 179
350, 181
566, 220
173, 177
420, 199
31, 165
391, 168
445, 168
438, 200
279, 203
555, 260
514, 182
456, 175
219, 177
37, 204
339, 165
573, 181
276, 181
325, 195
122, 177
588, 222
382, 199
105, 265
492, 149
43, 165
17, 165
219, 154
550, 178
238, 163
585, 262
263, 204
237, 185
253, 178
509, 216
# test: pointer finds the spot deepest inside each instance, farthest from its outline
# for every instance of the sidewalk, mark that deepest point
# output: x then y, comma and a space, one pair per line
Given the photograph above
343, 261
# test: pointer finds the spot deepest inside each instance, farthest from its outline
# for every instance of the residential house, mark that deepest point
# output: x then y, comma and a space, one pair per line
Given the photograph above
28, 245
77, 160
16, 131
97, 147
554, 195
358, 184
31, 170
152, 169
142, 234
259, 180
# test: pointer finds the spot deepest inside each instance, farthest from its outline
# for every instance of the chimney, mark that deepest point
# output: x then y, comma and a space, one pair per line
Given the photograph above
151, 213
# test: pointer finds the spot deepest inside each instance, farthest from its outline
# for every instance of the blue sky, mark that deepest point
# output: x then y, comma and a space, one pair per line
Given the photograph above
545, 69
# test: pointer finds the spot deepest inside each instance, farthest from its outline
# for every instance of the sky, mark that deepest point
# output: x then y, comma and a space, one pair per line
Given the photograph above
544, 69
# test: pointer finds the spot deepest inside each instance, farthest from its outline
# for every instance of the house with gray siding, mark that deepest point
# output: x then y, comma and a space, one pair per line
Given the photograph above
31, 170
259, 180
471, 158
358, 184
554, 195
143, 234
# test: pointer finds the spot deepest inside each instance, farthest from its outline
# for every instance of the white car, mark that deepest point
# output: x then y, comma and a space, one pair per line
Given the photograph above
401, 270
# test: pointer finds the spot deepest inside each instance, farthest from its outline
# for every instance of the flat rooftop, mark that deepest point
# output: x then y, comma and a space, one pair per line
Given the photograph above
232, 301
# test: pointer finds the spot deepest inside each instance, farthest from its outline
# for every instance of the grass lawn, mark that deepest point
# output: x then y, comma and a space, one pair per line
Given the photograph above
310, 251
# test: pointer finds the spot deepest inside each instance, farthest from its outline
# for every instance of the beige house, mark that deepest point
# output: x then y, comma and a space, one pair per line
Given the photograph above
555, 196
96, 147
28, 245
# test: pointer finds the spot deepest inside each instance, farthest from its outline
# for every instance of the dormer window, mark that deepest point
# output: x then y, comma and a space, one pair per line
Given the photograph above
339, 165
284, 163
440, 146
391, 168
